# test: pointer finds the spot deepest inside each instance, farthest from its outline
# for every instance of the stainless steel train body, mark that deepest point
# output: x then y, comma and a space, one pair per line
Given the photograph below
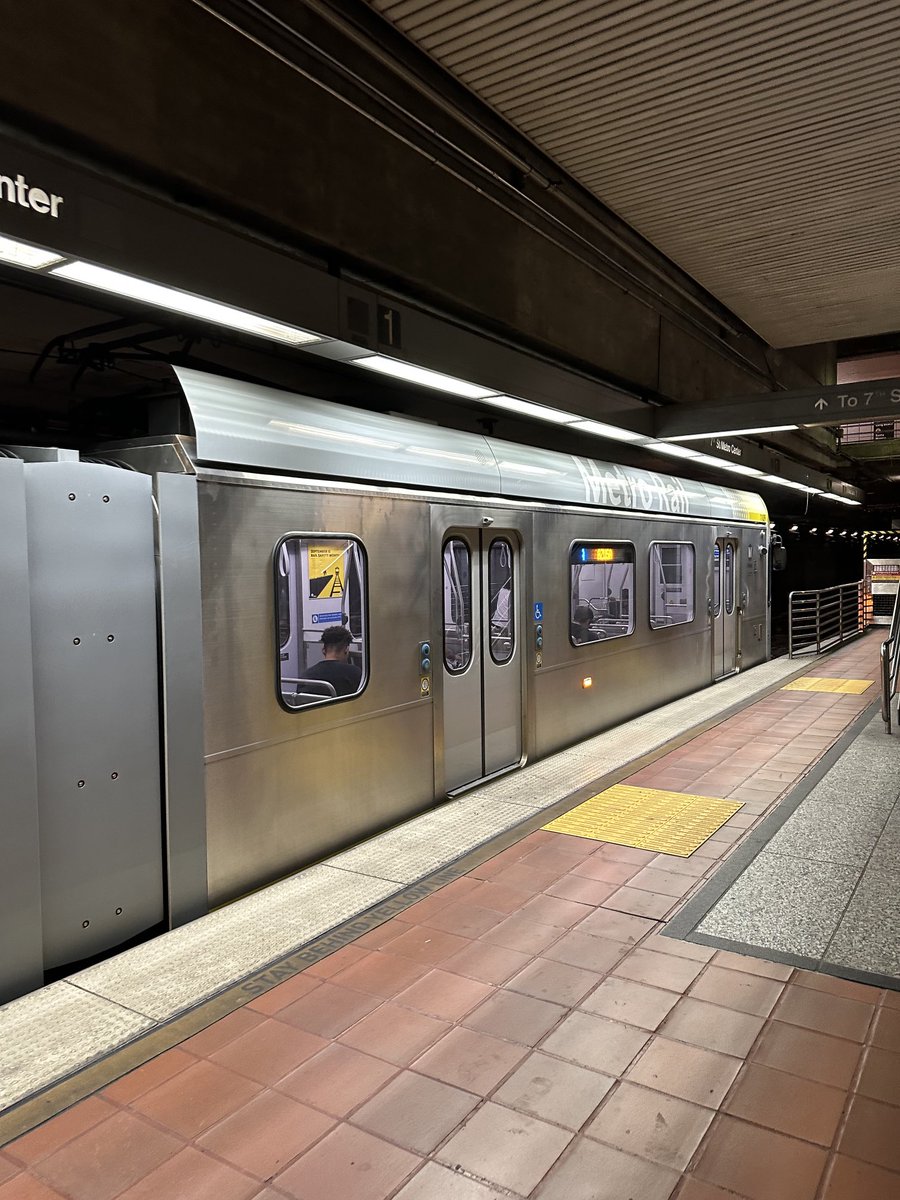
166, 748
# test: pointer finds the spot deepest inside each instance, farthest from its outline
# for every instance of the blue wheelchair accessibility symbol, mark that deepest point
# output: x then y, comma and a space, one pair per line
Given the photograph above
538, 611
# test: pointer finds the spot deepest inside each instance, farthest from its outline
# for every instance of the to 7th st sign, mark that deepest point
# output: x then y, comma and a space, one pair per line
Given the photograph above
866, 400
875, 396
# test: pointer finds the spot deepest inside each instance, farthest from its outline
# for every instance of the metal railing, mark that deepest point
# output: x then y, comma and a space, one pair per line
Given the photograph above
822, 618
890, 664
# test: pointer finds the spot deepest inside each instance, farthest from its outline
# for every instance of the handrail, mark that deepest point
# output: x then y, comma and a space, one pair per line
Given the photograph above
890, 664
822, 618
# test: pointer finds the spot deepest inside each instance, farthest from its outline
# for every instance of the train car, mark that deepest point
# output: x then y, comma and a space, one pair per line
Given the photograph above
229, 653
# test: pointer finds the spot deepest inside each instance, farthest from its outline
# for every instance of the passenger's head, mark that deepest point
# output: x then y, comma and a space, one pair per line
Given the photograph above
336, 641
582, 615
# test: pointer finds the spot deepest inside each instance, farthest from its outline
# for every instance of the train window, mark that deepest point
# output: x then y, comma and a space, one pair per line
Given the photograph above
501, 600
671, 584
320, 619
717, 580
457, 605
601, 592
729, 578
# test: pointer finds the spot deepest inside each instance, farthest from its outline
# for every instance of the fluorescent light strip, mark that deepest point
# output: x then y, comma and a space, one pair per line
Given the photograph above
671, 448
789, 483
18, 254
541, 412
398, 369
601, 429
185, 303
706, 460
696, 437
738, 468
423, 376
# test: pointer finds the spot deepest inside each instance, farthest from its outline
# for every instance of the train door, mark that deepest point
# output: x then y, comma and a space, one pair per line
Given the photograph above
724, 608
481, 724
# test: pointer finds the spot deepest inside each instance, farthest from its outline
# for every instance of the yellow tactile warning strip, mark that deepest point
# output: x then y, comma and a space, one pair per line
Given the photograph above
815, 683
647, 818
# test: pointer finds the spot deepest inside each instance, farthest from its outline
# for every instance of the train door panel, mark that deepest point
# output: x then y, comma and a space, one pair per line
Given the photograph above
724, 606
500, 671
96, 699
462, 668
481, 722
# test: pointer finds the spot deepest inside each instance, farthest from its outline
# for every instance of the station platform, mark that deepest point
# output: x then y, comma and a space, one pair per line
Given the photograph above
537, 990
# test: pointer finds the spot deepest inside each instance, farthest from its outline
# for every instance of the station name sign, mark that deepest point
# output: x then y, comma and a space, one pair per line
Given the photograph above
15, 189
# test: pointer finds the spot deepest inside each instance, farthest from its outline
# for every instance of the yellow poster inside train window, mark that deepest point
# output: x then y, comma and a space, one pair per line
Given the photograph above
326, 571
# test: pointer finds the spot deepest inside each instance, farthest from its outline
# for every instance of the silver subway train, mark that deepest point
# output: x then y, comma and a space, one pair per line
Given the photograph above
226, 656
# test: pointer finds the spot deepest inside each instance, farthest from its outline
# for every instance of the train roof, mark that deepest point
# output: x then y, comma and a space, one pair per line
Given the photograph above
253, 427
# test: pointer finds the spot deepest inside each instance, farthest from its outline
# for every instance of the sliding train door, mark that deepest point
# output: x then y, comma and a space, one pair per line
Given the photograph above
480, 722
724, 606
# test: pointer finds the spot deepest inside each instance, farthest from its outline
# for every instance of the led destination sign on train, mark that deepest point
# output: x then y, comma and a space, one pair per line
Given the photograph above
599, 554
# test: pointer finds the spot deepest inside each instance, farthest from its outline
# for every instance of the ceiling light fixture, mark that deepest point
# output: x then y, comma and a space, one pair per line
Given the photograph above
670, 448
706, 460
694, 437
790, 483
18, 254
409, 373
738, 468
601, 429
541, 412
185, 303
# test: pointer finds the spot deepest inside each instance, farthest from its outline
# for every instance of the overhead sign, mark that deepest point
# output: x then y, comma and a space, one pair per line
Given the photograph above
736, 450
835, 405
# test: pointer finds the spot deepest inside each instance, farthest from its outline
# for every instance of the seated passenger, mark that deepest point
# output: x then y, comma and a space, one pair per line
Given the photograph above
580, 629
334, 667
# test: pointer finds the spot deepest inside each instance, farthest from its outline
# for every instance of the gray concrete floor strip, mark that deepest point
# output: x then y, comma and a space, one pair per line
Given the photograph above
808, 888
686, 920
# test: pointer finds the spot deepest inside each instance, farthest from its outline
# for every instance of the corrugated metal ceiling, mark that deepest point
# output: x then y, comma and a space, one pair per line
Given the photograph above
754, 143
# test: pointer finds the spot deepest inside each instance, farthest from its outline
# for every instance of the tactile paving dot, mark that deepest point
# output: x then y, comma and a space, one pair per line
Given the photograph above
647, 818
816, 683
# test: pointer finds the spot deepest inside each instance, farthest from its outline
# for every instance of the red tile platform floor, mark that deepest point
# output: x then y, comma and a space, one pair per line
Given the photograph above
526, 1031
